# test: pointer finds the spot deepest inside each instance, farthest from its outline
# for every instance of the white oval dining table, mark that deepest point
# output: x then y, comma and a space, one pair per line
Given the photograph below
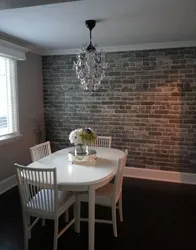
83, 176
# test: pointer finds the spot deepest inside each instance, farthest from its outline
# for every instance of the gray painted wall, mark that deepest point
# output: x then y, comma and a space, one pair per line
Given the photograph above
30, 94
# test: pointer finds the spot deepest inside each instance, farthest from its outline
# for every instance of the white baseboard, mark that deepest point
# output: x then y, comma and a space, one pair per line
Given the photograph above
140, 173
160, 175
7, 184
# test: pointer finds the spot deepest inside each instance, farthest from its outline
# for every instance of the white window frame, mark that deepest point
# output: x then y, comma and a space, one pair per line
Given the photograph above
15, 135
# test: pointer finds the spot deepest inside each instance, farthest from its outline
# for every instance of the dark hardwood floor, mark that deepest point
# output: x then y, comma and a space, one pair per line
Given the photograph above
157, 215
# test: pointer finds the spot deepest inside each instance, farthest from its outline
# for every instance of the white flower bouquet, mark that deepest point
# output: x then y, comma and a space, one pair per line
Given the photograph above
74, 136
82, 136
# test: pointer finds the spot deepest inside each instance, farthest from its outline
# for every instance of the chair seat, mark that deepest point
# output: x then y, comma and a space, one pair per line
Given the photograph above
42, 200
106, 190
103, 195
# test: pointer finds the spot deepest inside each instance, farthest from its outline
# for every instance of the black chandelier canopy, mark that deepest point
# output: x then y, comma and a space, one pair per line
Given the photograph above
90, 24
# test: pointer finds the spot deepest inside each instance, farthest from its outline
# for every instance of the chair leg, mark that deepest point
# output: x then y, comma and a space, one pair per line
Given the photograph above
26, 234
56, 229
29, 224
77, 208
120, 208
67, 216
114, 220
43, 222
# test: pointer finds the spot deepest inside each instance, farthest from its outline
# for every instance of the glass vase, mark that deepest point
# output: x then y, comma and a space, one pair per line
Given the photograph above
81, 149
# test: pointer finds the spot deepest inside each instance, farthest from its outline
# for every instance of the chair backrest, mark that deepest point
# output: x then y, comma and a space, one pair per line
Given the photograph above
38, 189
103, 141
40, 151
119, 175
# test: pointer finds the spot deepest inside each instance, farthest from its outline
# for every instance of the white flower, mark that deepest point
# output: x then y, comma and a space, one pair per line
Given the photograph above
74, 136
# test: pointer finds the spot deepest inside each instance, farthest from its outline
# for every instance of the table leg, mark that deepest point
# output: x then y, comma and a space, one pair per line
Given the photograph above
77, 215
91, 218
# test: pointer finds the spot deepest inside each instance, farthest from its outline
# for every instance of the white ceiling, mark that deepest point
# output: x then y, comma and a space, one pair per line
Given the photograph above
123, 22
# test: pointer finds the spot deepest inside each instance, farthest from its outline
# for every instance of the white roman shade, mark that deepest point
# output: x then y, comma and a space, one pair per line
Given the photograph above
8, 97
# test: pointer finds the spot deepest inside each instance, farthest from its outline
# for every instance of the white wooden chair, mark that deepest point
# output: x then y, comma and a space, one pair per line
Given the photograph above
40, 198
40, 151
103, 141
108, 195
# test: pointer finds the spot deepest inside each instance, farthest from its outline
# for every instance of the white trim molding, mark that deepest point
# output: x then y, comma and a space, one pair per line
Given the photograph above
9, 138
130, 172
7, 184
12, 50
135, 47
160, 175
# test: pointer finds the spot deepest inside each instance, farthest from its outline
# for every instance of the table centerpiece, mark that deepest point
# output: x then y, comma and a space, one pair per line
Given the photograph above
82, 138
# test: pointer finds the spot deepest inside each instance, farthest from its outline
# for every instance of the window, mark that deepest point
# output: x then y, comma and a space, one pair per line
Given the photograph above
8, 98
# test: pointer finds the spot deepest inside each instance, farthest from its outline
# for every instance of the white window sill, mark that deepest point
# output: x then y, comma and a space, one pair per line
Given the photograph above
9, 138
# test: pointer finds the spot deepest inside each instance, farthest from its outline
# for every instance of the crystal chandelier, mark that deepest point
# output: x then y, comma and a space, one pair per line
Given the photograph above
90, 66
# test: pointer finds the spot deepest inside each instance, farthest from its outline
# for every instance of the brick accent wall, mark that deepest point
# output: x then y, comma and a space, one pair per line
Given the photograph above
147, 103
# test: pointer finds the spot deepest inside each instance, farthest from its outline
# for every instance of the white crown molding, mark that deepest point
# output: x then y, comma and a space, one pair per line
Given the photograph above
13, 45
58, 52
12, 50
126, 48
34, 49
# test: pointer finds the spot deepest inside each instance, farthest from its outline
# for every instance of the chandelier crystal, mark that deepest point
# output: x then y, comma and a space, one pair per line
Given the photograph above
90, 65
